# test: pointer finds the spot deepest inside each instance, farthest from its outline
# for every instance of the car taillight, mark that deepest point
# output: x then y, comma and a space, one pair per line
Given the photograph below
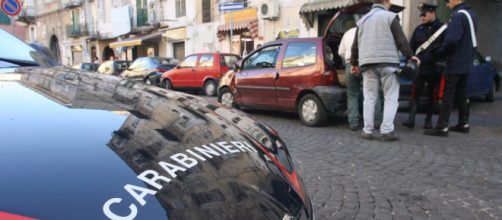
160, 70
329, 77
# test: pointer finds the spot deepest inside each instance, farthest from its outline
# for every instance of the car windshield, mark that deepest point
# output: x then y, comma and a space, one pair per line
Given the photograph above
14, 52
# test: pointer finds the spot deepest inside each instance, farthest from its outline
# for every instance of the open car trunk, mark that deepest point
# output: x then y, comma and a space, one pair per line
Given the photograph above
343, 21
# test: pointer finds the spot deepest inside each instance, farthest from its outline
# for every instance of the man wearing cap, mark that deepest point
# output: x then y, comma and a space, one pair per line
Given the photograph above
428, 72
375, 53
459, 48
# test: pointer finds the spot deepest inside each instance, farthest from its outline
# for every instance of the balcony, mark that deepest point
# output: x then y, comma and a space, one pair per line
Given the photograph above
27, 15
69, 4
76, 30
141, 17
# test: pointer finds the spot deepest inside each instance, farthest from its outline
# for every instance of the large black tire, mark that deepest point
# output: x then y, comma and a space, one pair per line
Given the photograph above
167, 85
311, 110
210, 87
227, 98
490, 97
148, 81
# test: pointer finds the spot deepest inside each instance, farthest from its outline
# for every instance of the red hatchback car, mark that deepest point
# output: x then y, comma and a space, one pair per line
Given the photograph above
304, 75
199, 71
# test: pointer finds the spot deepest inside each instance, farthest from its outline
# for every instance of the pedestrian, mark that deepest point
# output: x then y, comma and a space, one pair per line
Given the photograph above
459, 48
354, 82
427, 34
375, 55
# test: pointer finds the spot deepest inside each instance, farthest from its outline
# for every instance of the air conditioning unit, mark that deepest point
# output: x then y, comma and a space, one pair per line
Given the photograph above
270, 10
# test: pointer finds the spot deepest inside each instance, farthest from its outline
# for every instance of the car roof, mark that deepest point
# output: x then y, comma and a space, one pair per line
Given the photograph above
289, 40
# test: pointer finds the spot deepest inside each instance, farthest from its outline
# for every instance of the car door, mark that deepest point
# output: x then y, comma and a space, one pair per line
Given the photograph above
255, 82
298, 69
184, 74
480, 78
205, 67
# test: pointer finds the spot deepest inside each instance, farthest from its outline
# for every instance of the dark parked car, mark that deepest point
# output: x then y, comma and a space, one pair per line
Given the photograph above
149, 69
297, 75
83, 145
86, 66
114, 67
484, 80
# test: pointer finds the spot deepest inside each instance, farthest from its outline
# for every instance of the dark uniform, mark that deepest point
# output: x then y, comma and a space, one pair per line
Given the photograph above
459, 50
429, 73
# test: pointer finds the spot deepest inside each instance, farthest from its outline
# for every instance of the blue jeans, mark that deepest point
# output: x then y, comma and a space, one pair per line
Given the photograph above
354, 85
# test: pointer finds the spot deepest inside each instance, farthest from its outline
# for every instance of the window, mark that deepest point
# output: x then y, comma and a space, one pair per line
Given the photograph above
265, 58
179, 50
228, 60
189, 62
206, 11
300, 54
180, 8
206, 61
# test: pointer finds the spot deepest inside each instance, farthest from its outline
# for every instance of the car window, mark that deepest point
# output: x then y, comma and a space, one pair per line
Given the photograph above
136, 63
264, 58
206, 61
121, 66
344, 22
167, 61
189, 62
228, 60
300, 54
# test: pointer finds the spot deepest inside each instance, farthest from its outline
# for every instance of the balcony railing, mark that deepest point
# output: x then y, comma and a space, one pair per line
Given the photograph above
76, 30
27, 15
141, 17
68, 4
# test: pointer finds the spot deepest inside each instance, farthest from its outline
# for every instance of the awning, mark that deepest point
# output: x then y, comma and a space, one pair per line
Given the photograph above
177, 34
135, 41
326, 5
235, 26
252, 26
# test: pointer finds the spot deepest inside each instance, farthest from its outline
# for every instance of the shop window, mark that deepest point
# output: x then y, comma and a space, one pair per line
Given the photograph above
206, 61
180, 8
300, 54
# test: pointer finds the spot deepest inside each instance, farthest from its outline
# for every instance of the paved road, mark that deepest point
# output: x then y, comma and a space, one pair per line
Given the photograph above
419, 177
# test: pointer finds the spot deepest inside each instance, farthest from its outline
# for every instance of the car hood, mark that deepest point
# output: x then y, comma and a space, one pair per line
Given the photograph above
81, 145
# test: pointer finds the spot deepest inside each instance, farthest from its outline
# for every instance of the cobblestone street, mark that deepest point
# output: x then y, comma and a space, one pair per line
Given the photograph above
419, 177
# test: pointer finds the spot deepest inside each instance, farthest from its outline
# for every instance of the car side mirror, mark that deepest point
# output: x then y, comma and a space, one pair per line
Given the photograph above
236, 67
488, 59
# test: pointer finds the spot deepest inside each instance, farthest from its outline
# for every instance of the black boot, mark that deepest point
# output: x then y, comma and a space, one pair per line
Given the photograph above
438, 131
428, 122
461, 128
410, 123
463, 118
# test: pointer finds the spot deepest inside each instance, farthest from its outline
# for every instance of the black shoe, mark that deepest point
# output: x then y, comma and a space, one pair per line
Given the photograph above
461, 128
428, 124
389, 137
437, 131
354, 128
366, 136
409, 124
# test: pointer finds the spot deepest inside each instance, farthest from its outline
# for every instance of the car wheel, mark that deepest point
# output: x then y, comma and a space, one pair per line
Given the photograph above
147, 81
311, 111
210, 88
490, 97
167, 85
227, 98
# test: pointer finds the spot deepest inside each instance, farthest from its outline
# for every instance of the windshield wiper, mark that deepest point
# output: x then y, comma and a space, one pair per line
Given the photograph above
19, 62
